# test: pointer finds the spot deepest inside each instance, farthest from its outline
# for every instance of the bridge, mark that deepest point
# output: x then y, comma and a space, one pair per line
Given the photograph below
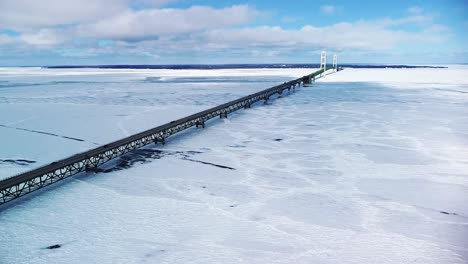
30, 181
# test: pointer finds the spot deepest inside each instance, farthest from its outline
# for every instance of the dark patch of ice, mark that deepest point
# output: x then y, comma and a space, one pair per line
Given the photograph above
72, 138
141, 156
236, 146
447, 213
44, 133
54, 246
209, 163
137, 156
451, 90
21, 162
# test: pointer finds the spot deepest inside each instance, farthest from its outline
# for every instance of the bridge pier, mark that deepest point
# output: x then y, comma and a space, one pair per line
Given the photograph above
223, 115
160, 140
92, 169
200, 123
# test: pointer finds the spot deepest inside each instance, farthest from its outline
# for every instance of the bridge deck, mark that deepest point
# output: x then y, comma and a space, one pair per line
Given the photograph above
24, 183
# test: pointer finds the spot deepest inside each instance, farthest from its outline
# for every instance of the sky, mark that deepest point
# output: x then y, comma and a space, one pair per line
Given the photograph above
98, 32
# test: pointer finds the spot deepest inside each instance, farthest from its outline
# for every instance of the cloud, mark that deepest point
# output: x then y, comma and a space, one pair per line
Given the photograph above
143, 28
150, 23
268, 42
328, 9
361, 35
24, 15
45, 37
27, 15
189, 31
150, 3
419, 20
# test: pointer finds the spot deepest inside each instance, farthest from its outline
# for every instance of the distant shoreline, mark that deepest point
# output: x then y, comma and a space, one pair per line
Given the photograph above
235, 66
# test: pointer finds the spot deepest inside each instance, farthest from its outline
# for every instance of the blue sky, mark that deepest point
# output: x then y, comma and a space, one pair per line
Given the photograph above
58, 32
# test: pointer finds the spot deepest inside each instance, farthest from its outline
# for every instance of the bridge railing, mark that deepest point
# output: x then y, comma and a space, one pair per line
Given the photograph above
21, 184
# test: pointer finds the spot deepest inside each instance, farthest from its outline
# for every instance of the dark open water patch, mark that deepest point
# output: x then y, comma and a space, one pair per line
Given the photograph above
142, 156
21, 162
138, 156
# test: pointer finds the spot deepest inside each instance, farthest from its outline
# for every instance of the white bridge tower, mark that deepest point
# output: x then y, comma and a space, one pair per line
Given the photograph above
323, 61
335, 62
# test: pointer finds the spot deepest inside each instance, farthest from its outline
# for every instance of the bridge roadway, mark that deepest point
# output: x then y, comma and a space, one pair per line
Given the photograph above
27, 182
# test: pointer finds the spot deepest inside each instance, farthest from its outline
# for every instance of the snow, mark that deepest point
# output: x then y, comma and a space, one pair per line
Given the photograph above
365, 166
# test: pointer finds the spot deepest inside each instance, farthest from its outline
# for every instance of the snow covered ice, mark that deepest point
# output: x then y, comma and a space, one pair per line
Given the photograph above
365, 166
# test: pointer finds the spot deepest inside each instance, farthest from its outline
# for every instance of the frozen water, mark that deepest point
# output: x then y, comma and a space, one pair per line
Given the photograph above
366, 166
99, 106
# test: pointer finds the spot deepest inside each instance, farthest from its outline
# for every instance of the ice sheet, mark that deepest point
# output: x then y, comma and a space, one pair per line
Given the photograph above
365, 166
99, 106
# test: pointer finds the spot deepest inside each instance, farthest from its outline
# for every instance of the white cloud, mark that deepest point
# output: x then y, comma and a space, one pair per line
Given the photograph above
418, 20
328, 9
156, 32
205, 35
46, 37
150, 3
237, 44
150, 23
26, 15
363, 35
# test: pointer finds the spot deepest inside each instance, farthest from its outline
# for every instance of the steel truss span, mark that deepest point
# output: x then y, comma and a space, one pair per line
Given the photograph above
24, 183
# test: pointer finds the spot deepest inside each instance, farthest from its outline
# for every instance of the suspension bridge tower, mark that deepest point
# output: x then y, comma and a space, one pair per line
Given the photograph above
335, 63
323, 60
